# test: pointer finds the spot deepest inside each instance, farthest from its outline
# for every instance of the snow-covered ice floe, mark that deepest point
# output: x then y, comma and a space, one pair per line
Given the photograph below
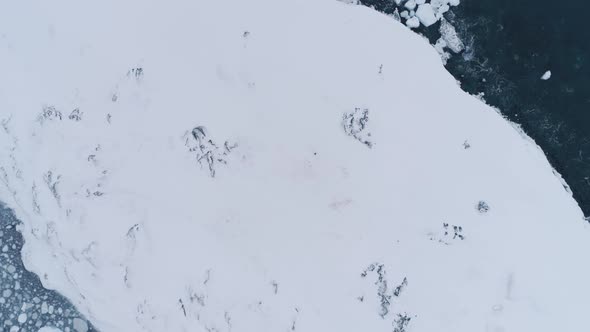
274, 165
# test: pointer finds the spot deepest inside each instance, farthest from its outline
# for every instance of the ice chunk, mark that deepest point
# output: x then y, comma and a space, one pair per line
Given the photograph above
22, 318
48, 329
44, 308
440, 7
411, 4
546, 76
438, 3
413, 22
450, 36
420, 2
80, 325
439, 11
454, 2
440, 46
425, 14
396, 15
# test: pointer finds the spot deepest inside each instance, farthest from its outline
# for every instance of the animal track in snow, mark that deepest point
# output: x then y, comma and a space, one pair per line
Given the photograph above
208, 153
355, 125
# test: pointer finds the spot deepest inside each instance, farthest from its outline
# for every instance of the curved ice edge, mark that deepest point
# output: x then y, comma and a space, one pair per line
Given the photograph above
518, 128
43, 308
514, 125
524, 135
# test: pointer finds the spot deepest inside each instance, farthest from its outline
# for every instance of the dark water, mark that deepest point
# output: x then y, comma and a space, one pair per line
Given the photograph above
26, 306
510, 44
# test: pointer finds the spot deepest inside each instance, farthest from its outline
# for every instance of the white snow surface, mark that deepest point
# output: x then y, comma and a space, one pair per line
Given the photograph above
120, 217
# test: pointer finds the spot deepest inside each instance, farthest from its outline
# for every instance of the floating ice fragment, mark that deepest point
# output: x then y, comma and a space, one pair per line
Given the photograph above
22, 318
410, 4
425, 14
546, 76
413, 22
44, 308
450, 36
48, 329
80, 325
396, 15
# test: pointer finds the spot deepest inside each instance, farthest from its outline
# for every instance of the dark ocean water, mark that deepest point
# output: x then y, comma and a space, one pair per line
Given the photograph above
510, 44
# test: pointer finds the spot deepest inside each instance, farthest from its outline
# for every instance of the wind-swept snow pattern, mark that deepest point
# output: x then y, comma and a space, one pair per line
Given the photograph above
189, 168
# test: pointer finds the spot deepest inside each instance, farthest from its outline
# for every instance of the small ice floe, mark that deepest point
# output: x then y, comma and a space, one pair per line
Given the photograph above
546, 76
48, 329
425, 14
410, 5
413, 22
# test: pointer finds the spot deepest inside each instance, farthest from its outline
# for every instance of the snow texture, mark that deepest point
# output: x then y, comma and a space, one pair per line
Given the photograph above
136, 209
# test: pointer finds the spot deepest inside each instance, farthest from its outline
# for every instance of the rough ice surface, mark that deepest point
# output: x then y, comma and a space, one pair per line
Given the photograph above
440, 47
449, 34
448, 39
221, 174
546, 75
